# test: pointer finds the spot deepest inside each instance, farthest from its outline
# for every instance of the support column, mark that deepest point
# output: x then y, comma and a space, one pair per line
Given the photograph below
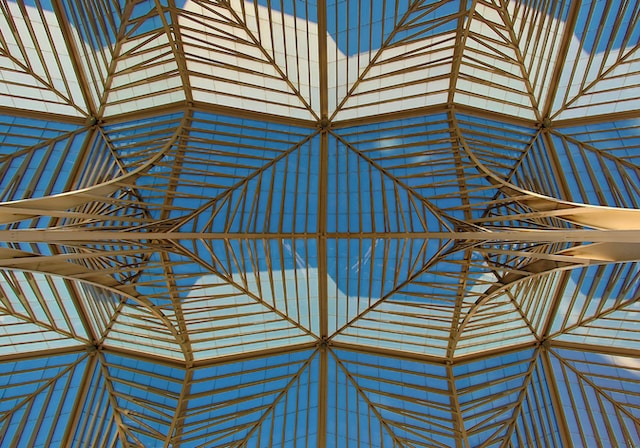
322, 395
561, 419
323, 173
78, 406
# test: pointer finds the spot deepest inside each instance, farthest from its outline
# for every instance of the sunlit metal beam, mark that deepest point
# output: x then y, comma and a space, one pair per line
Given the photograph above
524, 235
78, 408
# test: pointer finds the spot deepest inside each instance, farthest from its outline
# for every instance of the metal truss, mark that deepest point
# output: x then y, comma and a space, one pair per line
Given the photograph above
376, 223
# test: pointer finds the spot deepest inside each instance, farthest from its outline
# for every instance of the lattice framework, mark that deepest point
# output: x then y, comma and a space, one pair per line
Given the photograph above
228, 223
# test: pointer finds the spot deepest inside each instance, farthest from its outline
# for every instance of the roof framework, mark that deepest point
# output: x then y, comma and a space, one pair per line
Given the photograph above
328, 223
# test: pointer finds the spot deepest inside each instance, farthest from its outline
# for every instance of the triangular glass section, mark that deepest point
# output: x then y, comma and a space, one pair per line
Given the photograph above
599, 306
234, 403
537, 29
146, 396
143, 317
537, 419
262, 180
38, 157
127, 56
37, 313
36, 68
293, 418
598, 393
491, 74
369, 281
425, 154
362, 197
494, 324
98, 424
137, 327
145, 72
600, 75
497, 146
280, 274
221, 319
389, 56
490, 393
599, 161
136, 143
535, 296
236, 57
406, 403
38, 398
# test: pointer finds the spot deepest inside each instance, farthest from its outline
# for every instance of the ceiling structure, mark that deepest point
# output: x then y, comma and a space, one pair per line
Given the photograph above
323, 223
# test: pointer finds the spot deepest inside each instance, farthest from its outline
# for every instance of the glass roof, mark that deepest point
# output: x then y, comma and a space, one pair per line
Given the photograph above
408, 223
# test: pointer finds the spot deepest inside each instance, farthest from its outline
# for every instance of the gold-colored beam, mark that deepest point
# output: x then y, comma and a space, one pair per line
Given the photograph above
430, 359
149, 112
499, 351
554, 161
525, 235
311, 124
392, 353
552, 384
595, 119
111, 396
33, 212
615, 350
44, 116
323, 294
174, 433
251, 115
462, 33
462, 441
78, 407
81, 77
323, 390
164, 215
390, 116
454, 335
323, 59
208, 362
339, 124
48, 352
174, 36
568, 35
321, 226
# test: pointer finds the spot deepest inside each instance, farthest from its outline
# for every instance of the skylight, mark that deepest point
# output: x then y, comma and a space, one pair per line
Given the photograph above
310, 223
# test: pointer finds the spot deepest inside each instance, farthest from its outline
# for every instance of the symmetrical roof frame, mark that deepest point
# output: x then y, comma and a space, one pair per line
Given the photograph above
342, 228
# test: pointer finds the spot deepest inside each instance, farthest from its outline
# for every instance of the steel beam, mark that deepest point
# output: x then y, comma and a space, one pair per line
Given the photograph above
78, 407
604, 350
525, 235
556, 400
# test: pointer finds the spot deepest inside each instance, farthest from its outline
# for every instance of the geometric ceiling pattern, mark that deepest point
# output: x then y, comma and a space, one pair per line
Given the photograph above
408, 223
